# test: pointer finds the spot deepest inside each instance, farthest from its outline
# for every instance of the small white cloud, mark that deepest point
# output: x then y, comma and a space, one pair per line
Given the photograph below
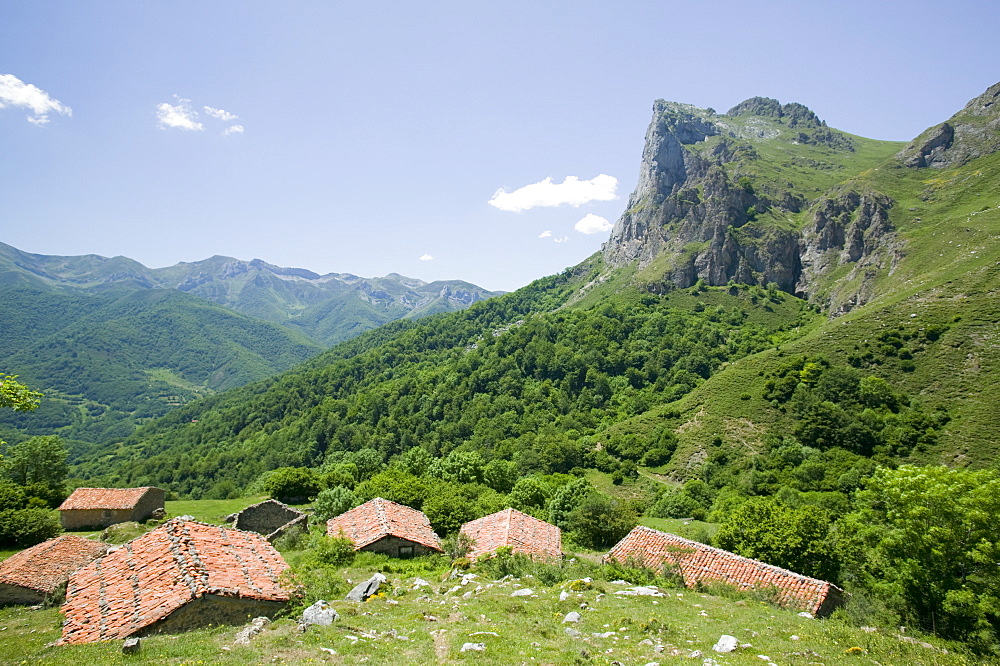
592, 224
560, 240
426, 257
545, 234
235, 129
222, 115
15, 92
180, 115
572, 191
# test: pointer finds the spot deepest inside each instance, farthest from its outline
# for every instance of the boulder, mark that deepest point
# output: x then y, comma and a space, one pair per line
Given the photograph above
726, 643
320, 613
370, 587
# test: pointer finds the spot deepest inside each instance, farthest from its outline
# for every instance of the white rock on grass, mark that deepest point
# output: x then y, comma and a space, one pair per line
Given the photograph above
641, 591
473, 647
523, 592
572, 616
726, 643
320, 613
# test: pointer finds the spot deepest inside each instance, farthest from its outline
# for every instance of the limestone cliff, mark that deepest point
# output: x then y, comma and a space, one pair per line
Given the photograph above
767, 193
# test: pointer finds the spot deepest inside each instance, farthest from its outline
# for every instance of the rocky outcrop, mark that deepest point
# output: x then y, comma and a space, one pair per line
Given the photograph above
847, 228
972, 132
693, 214
691, 205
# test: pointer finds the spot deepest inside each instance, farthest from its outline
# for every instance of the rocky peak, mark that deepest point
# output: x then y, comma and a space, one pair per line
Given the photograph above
972, 132
792, 114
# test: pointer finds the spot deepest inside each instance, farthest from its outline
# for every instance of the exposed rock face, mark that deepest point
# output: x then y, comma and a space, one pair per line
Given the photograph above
693, 214
852, 227
972, 132
686, 203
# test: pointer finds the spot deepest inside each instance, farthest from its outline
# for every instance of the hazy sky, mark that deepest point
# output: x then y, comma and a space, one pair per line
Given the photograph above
372, 137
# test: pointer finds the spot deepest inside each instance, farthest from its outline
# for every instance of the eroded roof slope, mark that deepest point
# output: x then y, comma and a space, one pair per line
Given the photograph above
510, 527
104, 498
153, 575
46, 566
379, 518
697, 562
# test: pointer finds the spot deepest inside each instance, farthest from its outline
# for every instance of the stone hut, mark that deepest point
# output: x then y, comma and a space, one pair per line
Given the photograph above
182, 575
696, 562
381, 526
270, 518
39, 572
519, 531
100, 507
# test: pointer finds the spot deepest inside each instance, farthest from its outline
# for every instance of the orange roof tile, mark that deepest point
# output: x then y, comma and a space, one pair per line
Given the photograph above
155, 574
46, 566
697, 562
103, 498
510, 527
379, 518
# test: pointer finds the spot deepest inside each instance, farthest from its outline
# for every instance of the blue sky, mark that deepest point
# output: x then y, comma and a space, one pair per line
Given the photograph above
371, 137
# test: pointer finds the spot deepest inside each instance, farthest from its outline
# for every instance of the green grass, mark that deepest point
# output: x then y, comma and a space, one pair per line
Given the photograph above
436, 623
209, 511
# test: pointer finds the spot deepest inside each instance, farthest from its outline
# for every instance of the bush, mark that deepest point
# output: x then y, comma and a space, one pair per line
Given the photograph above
291, 484
26, 527
600, 522
332, 502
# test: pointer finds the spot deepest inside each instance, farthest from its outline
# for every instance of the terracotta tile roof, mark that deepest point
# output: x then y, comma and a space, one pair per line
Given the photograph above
379, 518
697, 562
523, 533
47, 566
103, 498
155, 574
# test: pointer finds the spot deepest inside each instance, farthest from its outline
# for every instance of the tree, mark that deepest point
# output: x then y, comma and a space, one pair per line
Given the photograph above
16, 395
924, 540
333, 502
599, 521
791, 538
291, 484
528, 493
395, 486
39, 460
566, 498
448, 509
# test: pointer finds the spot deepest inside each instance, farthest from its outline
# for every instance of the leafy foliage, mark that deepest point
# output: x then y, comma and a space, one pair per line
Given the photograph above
924, 540
792, 538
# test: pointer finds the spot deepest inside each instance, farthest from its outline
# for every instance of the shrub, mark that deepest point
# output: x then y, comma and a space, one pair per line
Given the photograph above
291, 484
26, 527
333, 502
599, 521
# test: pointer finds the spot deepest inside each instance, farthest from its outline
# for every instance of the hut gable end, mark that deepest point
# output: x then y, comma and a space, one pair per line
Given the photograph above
385, 526
519, 531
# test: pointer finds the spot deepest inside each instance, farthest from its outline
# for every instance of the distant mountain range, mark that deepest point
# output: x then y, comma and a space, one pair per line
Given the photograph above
112, 342
326, 308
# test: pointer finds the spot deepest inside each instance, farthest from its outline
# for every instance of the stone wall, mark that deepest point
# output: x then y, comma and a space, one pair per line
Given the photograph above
265, 517
212, 609
391, 546
77, 519
15, 594
152, 500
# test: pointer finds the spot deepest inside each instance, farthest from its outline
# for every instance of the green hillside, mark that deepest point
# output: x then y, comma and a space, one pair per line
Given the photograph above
785, 320
110, 360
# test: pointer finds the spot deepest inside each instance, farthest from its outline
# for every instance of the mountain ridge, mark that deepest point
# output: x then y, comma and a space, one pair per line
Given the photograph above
294, 297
